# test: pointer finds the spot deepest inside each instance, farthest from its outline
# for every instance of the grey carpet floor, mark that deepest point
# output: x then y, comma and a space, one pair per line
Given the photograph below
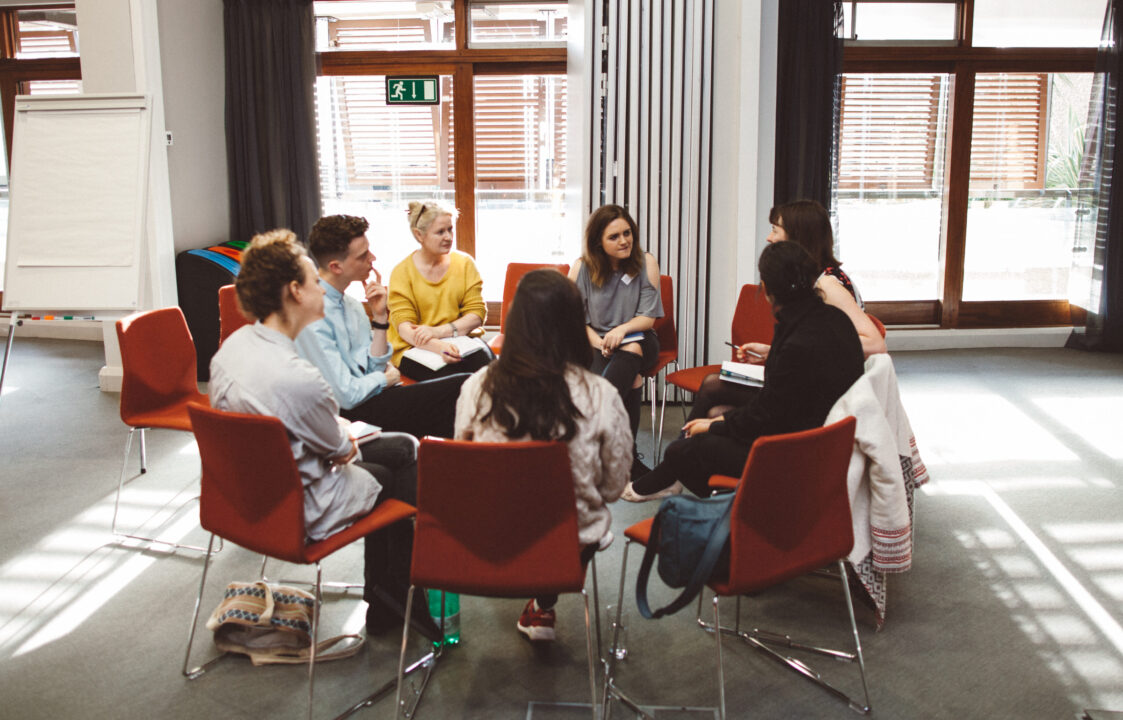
1012, 610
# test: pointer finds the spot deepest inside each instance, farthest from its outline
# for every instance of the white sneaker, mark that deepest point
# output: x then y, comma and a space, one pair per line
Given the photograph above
632, 496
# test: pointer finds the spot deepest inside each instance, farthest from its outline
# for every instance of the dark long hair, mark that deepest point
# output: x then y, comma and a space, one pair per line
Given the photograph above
807, 223
600, 267
545, 334
788, 272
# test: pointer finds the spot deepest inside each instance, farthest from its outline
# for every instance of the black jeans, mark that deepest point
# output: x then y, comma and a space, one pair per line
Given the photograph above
387, 552
424, 408
692, 461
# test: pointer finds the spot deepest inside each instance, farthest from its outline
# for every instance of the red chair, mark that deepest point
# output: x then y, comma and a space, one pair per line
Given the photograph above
668, 355
790, 517
158, 362
752, 322
477, 534
252, 495
515, 272
231, 316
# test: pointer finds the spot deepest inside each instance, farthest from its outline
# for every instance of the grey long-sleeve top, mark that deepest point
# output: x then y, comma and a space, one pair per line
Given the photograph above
257, 371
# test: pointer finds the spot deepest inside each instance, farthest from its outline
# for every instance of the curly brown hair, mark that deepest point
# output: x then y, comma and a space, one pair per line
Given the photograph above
331, 237
271, 262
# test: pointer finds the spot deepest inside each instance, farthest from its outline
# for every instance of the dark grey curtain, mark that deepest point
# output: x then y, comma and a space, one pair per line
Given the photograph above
808, 82
270, 116
1098, 247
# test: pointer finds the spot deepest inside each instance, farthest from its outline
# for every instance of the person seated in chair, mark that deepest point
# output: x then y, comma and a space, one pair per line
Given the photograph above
349, 345
258, 371
815, 357
540, 389
436, 298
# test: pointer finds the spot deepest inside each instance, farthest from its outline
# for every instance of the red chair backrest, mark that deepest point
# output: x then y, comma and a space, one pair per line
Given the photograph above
792, 510
230, 314
496, 519
251, 492
665, 326
515, 272
752, 319
157, 361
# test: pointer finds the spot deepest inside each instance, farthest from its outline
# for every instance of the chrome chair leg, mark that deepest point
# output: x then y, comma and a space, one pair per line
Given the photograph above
763, 640
143, 452
428, 662
596, 604
589, 652
611, 691
120, 489
720, 664
316, 603
199, 669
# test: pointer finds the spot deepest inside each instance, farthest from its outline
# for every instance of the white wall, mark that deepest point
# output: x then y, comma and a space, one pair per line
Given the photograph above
744, 102
191, 53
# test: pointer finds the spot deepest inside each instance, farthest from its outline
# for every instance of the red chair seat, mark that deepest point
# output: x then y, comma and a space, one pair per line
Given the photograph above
691, 379
496, 344
640, 532
170, 417
387, 513
723, 482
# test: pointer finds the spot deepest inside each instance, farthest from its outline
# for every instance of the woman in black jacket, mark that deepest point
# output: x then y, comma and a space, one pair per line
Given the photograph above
815, 357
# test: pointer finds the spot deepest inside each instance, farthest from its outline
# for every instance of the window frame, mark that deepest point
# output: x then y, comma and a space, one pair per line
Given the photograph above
16, 71
963, 62
463, 63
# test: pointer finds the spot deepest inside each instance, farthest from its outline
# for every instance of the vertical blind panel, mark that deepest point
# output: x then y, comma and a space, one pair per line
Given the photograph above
652, 72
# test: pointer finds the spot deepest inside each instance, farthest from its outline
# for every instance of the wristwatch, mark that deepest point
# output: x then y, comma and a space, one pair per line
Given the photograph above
375, 325
455, 332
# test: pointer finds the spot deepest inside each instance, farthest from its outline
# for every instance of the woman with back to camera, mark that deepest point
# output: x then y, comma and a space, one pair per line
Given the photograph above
539, 389
619, 284
435, 296
806, 223
257, 371
815, 357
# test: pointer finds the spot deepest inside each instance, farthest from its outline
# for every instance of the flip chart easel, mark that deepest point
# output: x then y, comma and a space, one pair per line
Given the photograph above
78, 203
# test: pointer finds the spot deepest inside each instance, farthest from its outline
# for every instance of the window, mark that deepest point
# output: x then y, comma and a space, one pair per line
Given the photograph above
38, 56
958, 157
494, 146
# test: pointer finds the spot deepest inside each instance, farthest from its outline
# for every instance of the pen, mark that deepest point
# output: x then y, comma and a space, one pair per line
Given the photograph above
748, 352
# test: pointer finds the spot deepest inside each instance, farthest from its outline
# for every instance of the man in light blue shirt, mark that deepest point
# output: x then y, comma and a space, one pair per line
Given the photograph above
349, 344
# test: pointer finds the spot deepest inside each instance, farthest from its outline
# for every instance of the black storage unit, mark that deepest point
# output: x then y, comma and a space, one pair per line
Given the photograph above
199, 274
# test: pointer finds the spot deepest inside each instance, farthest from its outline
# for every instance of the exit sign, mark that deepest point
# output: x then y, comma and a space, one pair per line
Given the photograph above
412, 90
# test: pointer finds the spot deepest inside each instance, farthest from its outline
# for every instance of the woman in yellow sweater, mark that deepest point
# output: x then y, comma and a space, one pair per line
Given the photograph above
435, 297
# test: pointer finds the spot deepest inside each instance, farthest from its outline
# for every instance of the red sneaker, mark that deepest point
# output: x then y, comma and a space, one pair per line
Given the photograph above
537, 624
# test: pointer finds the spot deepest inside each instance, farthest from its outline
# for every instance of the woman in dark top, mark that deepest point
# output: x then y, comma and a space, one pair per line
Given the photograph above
807, 224
815, 357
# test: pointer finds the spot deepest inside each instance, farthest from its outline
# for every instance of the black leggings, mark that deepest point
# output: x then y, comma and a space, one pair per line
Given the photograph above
692, 461
716, 393
387, 552
424, 408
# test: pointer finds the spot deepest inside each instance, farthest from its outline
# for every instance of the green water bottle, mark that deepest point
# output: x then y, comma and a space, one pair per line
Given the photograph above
451, 627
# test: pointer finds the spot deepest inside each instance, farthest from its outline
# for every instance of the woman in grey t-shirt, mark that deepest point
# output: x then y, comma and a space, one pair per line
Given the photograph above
619, 285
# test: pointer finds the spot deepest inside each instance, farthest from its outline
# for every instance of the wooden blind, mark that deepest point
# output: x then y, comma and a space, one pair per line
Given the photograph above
39, 40
515, 146
1008, 147
383, 146
890, 131
363, 34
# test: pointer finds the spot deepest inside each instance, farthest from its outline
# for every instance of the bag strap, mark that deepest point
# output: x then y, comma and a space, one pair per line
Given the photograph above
299, 656
718, 538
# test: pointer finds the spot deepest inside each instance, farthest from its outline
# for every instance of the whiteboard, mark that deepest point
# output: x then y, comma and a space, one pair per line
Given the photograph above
78, 201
